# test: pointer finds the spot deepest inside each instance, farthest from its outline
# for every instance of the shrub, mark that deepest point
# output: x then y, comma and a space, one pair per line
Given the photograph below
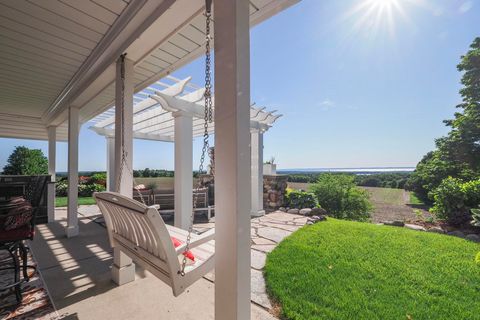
86, 190
339, 195
300, 199
99, 178
454, 198
61, 188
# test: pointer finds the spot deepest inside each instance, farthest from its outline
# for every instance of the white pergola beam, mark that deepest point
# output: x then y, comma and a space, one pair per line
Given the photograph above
145, 104
172, 90
136, 135
232, 160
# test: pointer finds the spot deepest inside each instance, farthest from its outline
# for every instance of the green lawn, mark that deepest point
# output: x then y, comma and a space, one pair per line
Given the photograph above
415, 200
62, 201
350, 270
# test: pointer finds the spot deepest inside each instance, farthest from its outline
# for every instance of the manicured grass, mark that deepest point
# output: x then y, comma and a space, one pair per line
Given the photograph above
350, 270
415, 200
62, 201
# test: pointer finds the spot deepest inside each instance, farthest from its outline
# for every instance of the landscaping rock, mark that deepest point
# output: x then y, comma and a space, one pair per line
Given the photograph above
414, 227
305, 211
282, 209
318, 212
473, 237
436, 230
315, 219
457, 233
394, 223
293, 211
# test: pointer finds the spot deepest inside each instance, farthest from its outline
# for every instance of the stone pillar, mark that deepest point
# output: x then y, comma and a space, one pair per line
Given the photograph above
274, 188
183, 169
232, 160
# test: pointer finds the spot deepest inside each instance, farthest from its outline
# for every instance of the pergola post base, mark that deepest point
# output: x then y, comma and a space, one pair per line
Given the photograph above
257, 213
71, 231
123, 269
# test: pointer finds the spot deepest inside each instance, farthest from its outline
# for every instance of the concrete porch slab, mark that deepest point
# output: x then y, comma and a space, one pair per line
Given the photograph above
77, 274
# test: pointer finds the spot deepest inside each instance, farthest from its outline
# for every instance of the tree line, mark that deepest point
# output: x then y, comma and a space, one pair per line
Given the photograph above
449, 176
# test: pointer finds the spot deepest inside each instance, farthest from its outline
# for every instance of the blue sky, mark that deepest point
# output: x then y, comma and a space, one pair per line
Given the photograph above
361, 83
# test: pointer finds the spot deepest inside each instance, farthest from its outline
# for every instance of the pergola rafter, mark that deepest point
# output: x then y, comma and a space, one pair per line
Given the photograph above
154, 111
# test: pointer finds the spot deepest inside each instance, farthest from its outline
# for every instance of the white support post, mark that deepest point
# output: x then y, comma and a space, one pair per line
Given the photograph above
256, 147
124, 171
123, 270
232, 160
73, 132
110, 141
183, 169
52, 150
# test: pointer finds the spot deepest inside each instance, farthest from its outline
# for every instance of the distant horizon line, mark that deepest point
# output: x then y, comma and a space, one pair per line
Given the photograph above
388, 168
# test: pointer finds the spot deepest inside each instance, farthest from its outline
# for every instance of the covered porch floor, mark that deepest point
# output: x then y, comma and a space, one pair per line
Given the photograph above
77, 272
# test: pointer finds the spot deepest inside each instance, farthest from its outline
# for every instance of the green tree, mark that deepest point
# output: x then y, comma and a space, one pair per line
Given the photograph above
25, 161
458, 153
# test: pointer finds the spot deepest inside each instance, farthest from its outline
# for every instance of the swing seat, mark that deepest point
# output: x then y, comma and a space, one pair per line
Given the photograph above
140, 233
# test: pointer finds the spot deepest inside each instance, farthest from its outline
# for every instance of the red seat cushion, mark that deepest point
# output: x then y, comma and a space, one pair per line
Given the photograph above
25, 232
189, 255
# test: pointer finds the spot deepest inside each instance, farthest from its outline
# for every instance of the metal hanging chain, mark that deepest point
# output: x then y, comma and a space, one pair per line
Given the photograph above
208, 118
121, 109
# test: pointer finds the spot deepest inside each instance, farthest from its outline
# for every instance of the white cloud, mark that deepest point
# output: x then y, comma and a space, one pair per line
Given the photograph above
465, 7
327, 104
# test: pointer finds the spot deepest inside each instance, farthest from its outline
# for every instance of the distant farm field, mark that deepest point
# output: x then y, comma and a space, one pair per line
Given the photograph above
389, 204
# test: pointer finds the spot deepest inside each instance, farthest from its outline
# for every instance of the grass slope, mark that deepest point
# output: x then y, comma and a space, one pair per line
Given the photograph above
350, 270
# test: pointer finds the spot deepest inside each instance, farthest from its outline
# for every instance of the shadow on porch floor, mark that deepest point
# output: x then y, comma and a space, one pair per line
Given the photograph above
77, 273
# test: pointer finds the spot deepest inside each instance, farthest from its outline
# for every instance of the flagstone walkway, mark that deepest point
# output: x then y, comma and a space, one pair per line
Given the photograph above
267, 232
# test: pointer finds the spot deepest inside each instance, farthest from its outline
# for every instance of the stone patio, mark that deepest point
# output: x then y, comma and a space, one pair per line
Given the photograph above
77, 272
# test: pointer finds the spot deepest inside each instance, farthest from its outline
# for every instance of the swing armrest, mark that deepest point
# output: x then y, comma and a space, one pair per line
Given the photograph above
203, 238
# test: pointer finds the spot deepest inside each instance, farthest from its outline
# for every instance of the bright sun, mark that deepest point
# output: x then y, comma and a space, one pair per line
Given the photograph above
374, 16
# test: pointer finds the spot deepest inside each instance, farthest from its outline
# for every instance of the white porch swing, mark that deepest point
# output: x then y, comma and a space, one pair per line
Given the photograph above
177, 257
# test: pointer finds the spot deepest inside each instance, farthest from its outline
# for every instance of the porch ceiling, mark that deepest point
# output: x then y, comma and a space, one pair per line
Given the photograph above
56, 53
